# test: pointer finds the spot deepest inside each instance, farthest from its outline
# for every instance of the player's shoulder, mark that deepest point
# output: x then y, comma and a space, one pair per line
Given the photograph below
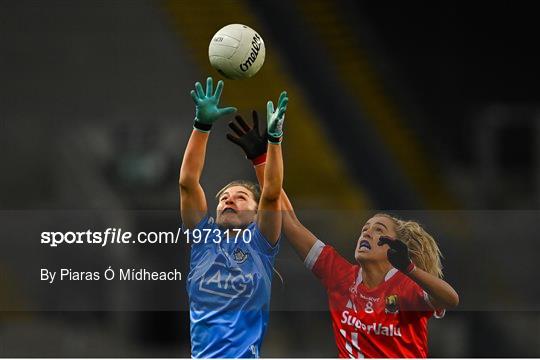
326, 259
401, 283
253, 227
260, 242
321, 254
331, 252
206, 222
396, 278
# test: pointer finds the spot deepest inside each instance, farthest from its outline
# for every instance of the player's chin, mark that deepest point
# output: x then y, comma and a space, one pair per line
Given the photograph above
232, 222
361, 255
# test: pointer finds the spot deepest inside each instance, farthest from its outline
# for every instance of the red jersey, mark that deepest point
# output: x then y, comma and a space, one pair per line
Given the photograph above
388, 321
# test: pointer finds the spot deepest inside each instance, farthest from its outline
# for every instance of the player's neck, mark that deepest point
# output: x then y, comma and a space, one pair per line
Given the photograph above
373, 273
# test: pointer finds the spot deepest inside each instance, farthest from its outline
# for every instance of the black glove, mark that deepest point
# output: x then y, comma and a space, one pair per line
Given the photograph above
249, 138
398, 254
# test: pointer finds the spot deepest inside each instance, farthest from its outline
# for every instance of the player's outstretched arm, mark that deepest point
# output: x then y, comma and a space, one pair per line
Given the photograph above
269, 214
442, 295
301, 239
254, 145
192, 199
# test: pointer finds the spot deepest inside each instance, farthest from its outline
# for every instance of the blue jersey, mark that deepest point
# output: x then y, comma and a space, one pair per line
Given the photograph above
229, 286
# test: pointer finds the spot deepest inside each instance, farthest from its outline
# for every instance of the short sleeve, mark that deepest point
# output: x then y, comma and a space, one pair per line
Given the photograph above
260, 243
326, 264
418, 300
206, 223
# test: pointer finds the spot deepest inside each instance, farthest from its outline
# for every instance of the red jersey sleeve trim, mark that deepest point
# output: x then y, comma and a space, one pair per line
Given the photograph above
437, 313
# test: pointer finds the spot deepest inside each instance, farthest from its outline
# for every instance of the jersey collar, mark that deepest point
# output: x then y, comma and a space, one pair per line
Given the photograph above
387, 277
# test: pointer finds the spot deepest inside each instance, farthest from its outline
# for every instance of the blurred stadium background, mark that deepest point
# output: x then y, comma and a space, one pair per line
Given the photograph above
431, 110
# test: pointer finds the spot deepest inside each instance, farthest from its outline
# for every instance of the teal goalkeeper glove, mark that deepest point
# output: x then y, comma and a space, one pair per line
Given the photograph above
276, 118
206, 105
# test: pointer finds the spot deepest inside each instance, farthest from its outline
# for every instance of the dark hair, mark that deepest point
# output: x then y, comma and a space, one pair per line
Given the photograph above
251, 186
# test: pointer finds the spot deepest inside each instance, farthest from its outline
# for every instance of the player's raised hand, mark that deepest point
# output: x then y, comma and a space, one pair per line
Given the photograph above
250, 139
275, 118
398, 254
206, 105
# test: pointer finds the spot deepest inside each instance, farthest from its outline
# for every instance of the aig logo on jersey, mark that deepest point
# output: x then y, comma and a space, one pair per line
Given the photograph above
391, 304
227, 282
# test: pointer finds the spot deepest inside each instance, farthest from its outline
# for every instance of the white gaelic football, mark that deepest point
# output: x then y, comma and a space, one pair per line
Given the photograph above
236, 51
